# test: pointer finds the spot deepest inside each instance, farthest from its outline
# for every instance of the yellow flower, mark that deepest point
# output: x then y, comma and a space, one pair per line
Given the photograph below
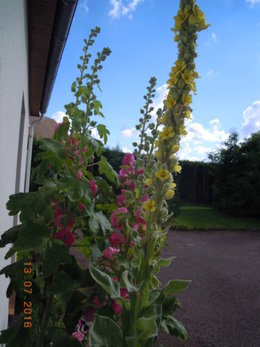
177, 168
149, 205
170, 102
187, 77
148, 182
183, 130
173, 78
166, 133
158, 154
163, 174
169, 194
175, 148
162, 120
172, 185
179, 67
187, 99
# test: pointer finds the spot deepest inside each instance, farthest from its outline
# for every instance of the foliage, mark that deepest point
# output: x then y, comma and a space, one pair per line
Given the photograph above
236, 188
204, 217
116, 300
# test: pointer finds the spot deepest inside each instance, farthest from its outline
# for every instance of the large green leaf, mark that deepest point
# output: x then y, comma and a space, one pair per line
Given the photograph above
103, 132
17, 335
99, 220
106, 282
163, 263
146, 329
126, 283
105, 168
174, 287
172, 326
10, 235
105, 333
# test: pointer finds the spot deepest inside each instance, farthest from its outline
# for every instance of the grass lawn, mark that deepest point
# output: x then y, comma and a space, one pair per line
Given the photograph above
205, 217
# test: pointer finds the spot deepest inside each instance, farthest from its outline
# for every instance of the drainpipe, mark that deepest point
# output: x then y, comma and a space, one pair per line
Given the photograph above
29, 153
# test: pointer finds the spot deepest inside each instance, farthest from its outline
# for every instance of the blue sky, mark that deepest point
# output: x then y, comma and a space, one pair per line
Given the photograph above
138, 33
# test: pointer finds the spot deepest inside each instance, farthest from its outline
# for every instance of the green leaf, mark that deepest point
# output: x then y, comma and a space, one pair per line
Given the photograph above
17, 335
55, 147
126, 283
62, 339
146, 329
105, 333
163, 263
103, 132
105, 168
99, 220
174, 327
174, 287
10, 235
106, 282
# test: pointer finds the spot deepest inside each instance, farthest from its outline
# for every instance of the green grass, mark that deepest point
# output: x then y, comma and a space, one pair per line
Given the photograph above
198, 217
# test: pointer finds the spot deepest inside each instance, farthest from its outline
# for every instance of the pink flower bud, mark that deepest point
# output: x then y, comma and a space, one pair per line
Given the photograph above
124, 293
93, 187
117, 308
140, 171
79, 174
128, 159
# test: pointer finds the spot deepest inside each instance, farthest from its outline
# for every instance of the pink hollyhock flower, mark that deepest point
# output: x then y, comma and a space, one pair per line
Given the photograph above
145, 198
84, 150
115, 220
135, 227
57, 127
82, 207
89, 314
140, 171
109, 252
76, 152
79, 174
124, 293
93, 187
97, 302
78, 335
66, 236
72, 142
123, 174
132, 243
77, 143
117, 308
130, 184
79, 323
115, 239
128, 159
115, 278
131, 170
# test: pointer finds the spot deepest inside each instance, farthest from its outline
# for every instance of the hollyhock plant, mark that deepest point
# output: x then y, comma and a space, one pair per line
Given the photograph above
115, 291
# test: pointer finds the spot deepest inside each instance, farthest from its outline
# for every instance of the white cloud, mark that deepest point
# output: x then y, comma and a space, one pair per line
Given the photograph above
201, 140
122, 8
161, 93
210, 72
126, 150
214, 37
58, 116
83, 4
253, 2
95, 134
251, 119
130, 132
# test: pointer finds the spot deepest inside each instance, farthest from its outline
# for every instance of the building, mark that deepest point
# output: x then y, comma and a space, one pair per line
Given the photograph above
33, 34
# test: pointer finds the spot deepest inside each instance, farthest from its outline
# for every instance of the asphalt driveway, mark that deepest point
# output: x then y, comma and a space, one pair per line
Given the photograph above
221, 308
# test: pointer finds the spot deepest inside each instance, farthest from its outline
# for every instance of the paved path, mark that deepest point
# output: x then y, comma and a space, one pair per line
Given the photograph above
221, 308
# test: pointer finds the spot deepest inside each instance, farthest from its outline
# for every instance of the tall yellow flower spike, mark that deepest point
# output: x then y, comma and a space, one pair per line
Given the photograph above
166, 133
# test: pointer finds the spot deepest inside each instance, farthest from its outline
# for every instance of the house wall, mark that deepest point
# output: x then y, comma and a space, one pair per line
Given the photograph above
13, 109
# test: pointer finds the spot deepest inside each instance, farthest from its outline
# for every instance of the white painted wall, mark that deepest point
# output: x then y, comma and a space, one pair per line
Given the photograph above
13, 87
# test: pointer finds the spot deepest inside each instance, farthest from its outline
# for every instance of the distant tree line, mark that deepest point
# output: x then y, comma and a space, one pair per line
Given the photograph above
229, 182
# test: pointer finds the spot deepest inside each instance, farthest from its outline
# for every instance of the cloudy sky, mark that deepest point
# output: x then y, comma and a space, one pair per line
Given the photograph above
138, 33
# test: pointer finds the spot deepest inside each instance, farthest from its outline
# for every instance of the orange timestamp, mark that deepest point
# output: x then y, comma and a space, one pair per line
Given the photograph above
27, 287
